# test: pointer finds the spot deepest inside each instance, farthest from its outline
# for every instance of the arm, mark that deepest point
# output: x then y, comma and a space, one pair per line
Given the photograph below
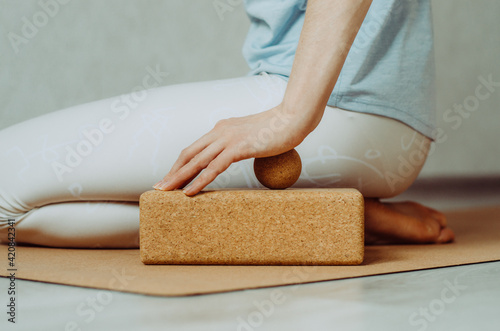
329, 29
328, 32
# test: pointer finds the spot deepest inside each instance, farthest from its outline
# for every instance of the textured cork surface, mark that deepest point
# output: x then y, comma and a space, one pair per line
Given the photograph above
279, 171
246, 226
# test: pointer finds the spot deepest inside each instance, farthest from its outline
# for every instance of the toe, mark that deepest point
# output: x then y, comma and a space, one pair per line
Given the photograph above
425, 230
445, 236
439, 217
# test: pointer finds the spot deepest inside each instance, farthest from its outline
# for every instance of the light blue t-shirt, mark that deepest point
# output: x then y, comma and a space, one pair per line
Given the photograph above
389, 70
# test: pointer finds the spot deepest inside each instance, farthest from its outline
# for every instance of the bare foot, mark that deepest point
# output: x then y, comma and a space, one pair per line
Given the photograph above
404, 223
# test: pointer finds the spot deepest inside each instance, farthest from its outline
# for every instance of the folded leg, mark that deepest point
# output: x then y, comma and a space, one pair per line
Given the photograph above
81, 224
73, 178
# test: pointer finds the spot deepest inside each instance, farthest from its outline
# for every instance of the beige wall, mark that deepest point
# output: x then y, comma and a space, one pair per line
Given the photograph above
95, 49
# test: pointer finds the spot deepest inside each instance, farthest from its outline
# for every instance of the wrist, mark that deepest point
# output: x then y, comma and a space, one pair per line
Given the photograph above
307, 95
303, 116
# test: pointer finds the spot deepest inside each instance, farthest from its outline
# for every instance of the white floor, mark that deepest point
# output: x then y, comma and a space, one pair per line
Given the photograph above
454, 298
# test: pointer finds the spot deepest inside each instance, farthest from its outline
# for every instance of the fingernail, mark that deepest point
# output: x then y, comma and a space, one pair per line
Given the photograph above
188, 190
160, 185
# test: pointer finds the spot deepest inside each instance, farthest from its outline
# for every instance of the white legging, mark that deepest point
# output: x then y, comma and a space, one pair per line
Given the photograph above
73, 178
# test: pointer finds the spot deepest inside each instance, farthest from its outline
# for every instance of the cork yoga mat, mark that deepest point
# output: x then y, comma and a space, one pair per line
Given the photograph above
477, 240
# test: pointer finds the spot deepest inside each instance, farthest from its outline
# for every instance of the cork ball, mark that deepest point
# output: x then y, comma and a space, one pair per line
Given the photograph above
279, 171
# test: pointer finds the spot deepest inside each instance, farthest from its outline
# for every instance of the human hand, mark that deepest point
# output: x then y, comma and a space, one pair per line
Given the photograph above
269, 133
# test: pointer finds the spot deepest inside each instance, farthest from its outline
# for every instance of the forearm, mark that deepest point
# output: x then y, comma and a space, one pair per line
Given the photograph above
330, 27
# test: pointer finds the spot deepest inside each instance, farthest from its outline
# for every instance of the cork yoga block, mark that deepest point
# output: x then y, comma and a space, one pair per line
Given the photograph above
253, 227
